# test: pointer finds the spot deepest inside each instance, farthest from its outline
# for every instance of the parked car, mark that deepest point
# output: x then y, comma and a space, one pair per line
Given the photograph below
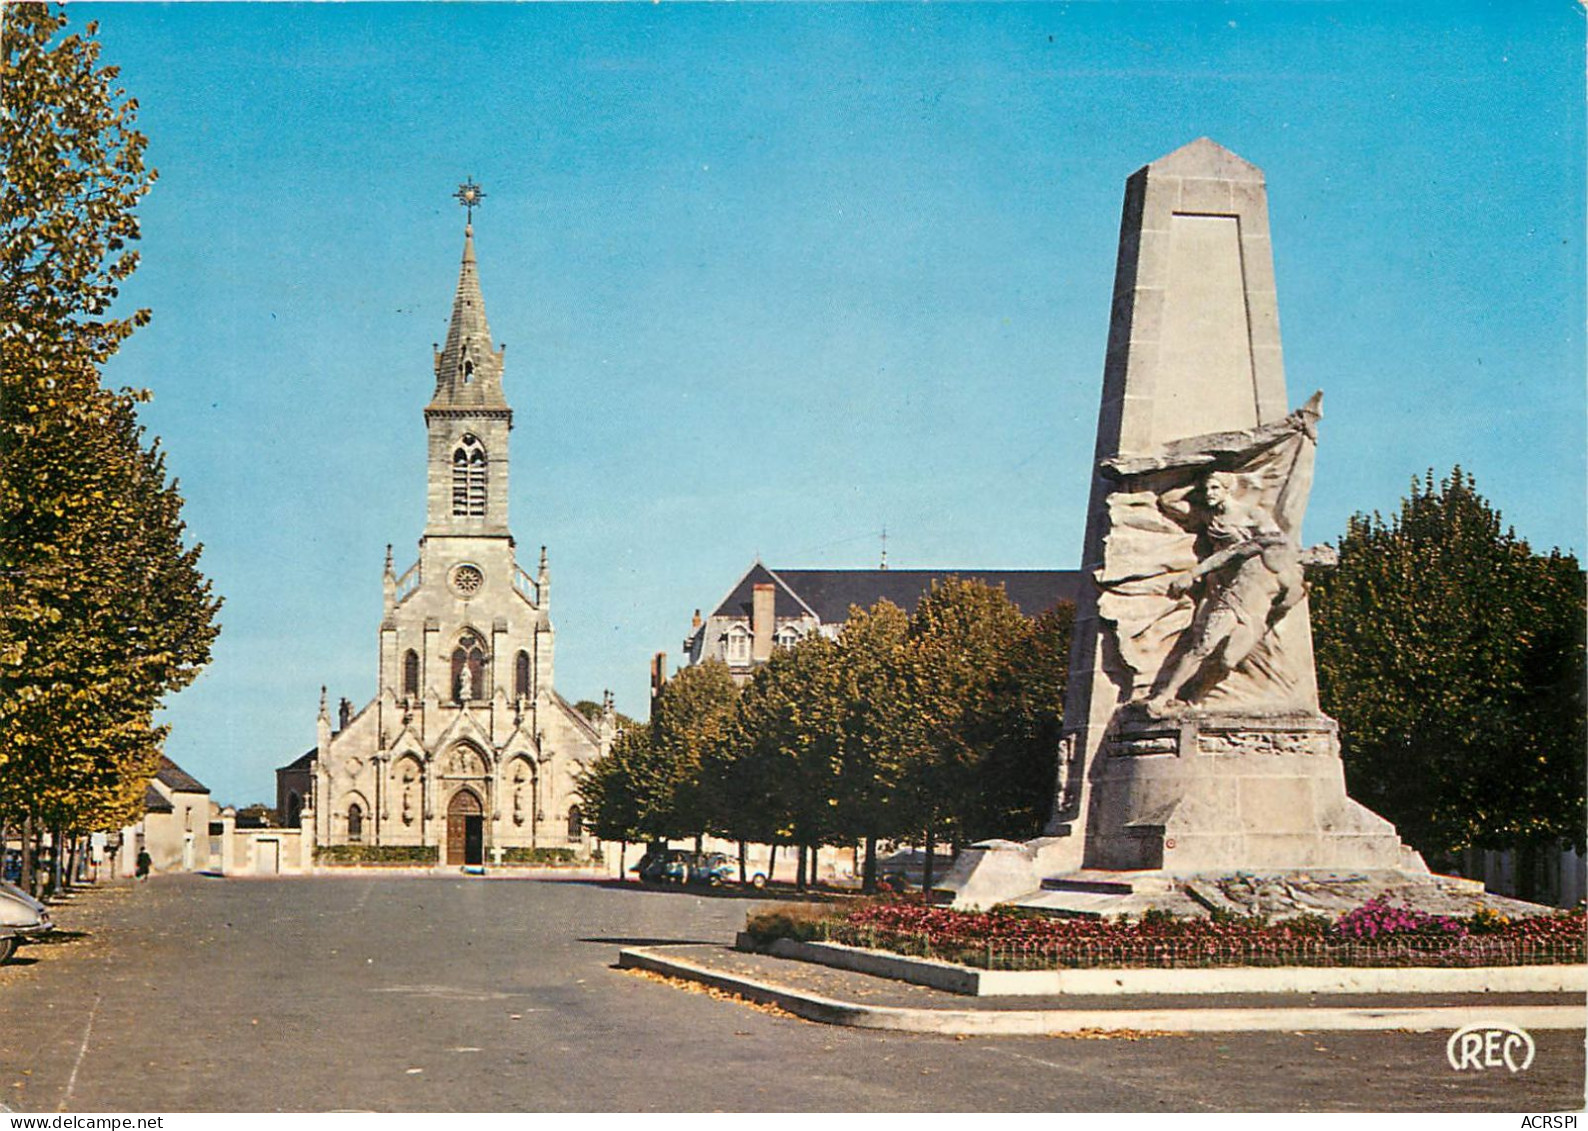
20, 916
663, 865
712, 868
678, 866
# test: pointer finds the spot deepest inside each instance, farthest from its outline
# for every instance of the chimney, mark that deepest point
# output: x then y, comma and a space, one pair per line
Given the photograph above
658, 673
761, 617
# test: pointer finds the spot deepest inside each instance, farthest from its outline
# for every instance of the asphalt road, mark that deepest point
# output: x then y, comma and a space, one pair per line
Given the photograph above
430, 994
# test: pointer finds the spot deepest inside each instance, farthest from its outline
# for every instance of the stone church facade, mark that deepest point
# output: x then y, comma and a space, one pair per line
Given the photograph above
467, 747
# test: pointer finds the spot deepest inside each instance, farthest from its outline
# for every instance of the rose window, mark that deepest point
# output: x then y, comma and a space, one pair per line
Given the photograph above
467, 579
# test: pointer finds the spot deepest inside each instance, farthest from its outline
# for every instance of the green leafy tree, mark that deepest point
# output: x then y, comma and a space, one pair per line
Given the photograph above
592, 712
880, 731
783, 746
610, 788
957, 642
102, 608
688, 719
1452, 656
1017, 730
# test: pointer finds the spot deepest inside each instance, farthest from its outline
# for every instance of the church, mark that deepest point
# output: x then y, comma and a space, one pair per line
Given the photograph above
467, 755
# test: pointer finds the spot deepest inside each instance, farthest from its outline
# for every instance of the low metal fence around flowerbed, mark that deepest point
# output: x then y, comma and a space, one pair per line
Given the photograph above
1376, 934
1197, 953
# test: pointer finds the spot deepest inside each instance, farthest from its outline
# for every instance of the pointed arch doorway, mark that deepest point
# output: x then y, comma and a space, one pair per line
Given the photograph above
465, 829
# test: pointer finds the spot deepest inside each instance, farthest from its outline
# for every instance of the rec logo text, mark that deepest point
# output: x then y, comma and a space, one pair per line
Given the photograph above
1494, 1044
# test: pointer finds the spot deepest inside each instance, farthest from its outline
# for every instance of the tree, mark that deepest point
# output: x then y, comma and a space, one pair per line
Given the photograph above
688, 718
1452, 656
1018, 730
778, 762
593, 712
956, 645
610, 788
102, 608
880, 731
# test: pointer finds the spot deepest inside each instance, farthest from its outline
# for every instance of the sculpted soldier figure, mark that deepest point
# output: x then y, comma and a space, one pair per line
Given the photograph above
1250, 579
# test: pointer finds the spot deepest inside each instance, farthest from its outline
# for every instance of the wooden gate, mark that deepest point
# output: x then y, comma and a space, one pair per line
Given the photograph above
465, 829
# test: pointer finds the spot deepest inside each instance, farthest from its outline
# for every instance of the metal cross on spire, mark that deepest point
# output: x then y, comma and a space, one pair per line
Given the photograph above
469, 195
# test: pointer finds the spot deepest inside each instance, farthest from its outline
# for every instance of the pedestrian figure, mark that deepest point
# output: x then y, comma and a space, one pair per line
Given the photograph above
145, 861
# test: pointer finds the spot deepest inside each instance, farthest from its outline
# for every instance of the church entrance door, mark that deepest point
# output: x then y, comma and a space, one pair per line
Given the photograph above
465, 829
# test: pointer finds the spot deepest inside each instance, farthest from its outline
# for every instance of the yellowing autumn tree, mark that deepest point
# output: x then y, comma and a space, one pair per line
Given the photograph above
103, 610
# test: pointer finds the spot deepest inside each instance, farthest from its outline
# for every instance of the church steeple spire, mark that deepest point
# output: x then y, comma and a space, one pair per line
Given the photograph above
468, 418
468, 369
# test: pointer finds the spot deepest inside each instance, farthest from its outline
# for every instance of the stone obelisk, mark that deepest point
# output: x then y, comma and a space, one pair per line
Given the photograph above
1193, 741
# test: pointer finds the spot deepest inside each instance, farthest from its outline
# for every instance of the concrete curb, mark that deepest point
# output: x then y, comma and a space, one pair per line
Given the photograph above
1035, 1022
968, 980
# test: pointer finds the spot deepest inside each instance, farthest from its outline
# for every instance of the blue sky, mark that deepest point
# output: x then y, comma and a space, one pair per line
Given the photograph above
773, 277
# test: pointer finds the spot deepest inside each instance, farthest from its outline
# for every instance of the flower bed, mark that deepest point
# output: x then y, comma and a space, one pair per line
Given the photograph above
551, 856
1376, 934
380, 854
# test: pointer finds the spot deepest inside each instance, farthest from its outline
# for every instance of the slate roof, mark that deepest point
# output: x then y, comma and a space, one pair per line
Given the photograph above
830, 592
175, 777
302, 761
155, 802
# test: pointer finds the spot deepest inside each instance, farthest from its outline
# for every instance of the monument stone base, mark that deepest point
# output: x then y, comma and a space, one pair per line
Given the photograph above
1204, 790
1196, 793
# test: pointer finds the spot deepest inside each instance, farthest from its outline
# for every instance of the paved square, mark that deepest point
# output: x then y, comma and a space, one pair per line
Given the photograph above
432, 993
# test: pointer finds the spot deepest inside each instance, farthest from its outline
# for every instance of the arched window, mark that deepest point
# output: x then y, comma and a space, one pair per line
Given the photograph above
411, 675
468, 372
468, 668
521, 676
355, 823
468, 478
575, 821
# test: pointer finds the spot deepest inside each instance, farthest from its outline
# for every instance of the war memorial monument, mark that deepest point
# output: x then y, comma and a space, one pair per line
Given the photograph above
1196, 770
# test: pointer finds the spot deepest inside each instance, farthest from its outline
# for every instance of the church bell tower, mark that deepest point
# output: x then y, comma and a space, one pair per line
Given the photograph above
468, 420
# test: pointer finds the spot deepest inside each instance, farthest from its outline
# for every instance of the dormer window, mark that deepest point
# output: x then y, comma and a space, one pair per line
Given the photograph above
787, 636
736, 645
468, 478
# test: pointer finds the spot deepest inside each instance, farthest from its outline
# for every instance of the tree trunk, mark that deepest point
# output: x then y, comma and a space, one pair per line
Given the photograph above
623, 851
700, 843
771, 864
72, 861
815, 849
56, 837
743, 874
27, 881
929, 876
868, 881
799, 875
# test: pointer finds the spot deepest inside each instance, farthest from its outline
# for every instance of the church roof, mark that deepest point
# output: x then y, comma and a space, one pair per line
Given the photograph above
468, 369
302, 761
175, 777
829, 593
576, 717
